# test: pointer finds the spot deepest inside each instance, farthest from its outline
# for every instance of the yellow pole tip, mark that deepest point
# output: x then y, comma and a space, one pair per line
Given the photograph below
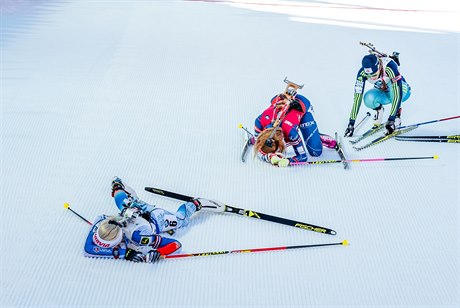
66, 205
345, 243
436, 157
240, 125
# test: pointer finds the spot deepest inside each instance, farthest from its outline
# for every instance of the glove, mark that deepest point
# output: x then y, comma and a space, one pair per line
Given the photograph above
209, 205
349, 131
296, 106
152, 256
136, 256
277, 159
390, 127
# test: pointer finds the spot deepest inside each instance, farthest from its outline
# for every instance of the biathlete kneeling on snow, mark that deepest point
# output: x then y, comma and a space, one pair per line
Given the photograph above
277, 130
390, 88
135, 233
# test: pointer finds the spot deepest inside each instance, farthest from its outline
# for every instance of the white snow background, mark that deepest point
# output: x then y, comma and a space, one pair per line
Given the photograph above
153, 92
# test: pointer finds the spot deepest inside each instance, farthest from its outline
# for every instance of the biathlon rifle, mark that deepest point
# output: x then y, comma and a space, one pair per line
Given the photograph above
289, 94
373, 50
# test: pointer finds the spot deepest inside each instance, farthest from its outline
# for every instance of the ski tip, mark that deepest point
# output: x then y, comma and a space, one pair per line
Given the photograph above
436, 157
240, 125
345, 243
66, 205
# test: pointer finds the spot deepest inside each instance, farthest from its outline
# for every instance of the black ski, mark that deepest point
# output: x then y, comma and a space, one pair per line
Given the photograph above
249, 213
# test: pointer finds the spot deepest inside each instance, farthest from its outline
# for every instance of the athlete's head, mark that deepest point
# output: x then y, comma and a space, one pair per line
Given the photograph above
265, 145
108, 233
371, 66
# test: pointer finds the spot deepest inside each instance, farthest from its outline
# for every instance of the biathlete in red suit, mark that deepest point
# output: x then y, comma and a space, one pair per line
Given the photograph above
286, 145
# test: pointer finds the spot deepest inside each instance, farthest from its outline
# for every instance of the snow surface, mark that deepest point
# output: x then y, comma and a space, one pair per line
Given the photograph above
153, 91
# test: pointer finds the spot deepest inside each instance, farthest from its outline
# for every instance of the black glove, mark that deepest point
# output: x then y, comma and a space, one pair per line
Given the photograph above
349, 131
295, 105
390, 127
136, 256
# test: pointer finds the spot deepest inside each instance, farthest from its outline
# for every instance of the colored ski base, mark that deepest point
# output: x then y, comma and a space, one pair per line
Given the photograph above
385, 137
370, 132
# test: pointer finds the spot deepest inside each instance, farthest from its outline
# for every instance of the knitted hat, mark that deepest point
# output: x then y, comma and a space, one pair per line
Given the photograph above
370, 64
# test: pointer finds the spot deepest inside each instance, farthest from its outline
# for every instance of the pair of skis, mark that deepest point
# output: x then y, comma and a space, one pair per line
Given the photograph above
397, 132
248, 213
383, 138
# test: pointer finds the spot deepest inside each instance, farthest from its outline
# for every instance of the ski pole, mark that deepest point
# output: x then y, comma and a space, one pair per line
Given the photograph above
429, 137
248, 213
429, 122
362, 160
213, 253
245, 129
67, 206
368, 114
430, 140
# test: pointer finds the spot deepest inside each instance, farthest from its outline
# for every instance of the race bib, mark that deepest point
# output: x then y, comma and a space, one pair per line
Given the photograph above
359, 86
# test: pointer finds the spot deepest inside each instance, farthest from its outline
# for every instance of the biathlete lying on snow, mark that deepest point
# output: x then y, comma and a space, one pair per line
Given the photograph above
277, 130
135, 233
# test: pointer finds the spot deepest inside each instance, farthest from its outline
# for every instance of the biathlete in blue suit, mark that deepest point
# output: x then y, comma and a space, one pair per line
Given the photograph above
138, 232
390, 88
